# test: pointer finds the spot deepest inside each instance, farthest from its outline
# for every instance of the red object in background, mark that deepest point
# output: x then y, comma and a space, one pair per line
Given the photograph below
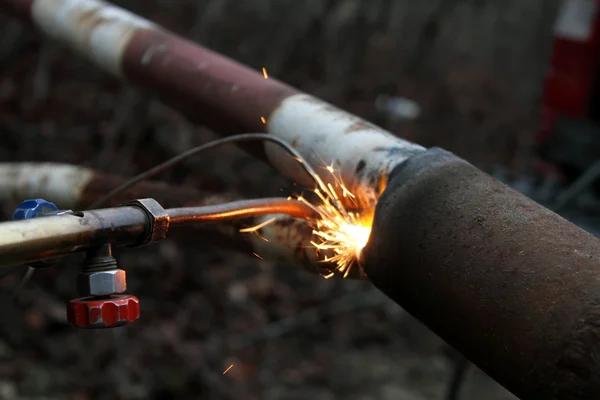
106, 312
571, 79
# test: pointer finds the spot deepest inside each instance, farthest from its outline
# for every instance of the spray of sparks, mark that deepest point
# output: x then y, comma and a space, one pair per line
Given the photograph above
338, 231
339, 234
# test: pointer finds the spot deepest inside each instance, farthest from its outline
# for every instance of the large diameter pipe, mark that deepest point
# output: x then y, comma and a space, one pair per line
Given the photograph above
510, 284
222, 93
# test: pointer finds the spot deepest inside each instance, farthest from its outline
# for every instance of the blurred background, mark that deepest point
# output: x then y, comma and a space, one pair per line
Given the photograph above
477, 77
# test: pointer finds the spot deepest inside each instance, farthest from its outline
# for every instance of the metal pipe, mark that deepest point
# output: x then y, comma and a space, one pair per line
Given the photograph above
285, 236
224, 94
45, 237
510, 284
39, 238
76, 187
239, 209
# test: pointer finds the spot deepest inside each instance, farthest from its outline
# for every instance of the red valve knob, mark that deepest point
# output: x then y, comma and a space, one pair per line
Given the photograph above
103, 312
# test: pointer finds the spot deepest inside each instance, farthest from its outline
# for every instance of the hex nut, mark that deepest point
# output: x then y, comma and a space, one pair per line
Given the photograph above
159, 219
101, 283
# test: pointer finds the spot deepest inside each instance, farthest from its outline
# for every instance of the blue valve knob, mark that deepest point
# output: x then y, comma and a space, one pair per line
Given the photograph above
34, 208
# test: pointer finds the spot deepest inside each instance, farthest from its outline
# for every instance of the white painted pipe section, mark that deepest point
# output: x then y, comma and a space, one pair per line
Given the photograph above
362, 153
97, 29
61, 184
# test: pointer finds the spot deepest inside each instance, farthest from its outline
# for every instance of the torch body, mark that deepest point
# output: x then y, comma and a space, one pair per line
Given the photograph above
508, 283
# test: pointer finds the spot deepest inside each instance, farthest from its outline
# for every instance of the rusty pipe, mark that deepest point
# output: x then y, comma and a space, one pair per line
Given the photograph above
508, 283
76, 187
222, 93
226, 95
472, 251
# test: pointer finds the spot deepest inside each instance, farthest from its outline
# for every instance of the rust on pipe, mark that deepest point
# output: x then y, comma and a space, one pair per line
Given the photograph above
226, 95
233, 98
202, 83
507, 282
167, 195
223, 93
75, 187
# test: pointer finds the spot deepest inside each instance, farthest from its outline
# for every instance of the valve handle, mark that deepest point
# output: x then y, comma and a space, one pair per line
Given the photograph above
103, 312
33, 208
86, 312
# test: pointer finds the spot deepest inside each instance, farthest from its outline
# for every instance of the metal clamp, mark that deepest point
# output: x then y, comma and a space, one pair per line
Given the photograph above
158, 217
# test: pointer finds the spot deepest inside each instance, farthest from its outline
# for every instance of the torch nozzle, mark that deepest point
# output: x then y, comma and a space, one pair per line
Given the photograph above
240, 209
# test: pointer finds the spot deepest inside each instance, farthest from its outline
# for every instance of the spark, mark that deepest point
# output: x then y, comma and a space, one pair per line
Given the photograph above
227, 370
264, 239
257, 227
339, 234
337, 231
258, 256
264, 70
264, 120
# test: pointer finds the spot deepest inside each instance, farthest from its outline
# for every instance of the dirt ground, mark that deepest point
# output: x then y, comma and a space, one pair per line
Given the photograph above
288, 334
